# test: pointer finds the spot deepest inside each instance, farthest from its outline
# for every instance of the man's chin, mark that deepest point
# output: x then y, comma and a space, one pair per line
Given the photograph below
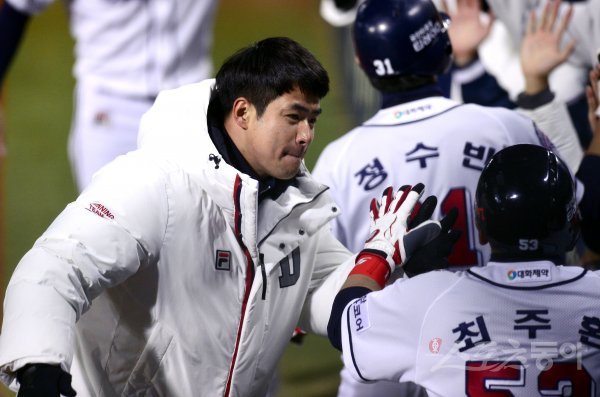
289, 169
288, 173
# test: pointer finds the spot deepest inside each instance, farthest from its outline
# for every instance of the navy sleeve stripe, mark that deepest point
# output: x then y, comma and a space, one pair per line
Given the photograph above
334, 330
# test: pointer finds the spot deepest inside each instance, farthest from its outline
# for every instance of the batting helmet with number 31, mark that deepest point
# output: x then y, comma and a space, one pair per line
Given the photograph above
401, 38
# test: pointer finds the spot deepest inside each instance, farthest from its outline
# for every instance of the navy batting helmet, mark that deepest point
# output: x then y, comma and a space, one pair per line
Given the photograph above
401, 38
525, 204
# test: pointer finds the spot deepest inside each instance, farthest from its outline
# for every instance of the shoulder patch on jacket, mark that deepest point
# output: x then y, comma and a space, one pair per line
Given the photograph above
100, 210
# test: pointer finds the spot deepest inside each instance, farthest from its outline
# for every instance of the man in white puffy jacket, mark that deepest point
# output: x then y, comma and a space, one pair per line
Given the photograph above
184, 267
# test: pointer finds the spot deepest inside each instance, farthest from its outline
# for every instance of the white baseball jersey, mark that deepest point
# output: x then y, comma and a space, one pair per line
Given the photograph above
125, 53
519, 329
137, 48
435, 141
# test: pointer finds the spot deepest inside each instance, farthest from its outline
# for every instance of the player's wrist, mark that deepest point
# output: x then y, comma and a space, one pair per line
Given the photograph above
534, 84
372, 264
462, 60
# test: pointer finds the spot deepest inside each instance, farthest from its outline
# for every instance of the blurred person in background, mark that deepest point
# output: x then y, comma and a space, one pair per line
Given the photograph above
125, 53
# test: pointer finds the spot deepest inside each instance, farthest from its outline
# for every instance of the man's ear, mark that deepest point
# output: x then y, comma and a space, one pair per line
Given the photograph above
241, 112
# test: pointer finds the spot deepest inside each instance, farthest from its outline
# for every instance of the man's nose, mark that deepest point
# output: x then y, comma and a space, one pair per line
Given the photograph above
305, 133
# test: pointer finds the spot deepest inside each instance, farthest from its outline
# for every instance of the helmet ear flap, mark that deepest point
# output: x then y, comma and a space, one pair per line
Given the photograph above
480, 223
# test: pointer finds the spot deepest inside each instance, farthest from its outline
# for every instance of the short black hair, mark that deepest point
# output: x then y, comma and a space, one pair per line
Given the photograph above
266, 70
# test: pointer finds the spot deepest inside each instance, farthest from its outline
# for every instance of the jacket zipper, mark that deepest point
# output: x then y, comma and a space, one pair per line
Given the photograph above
249, 276
263, 272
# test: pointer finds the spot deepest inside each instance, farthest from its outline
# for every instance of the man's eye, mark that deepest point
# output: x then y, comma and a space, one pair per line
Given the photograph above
294, 117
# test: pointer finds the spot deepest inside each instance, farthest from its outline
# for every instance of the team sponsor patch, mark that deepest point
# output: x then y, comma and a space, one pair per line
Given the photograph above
435, 344
529, 275
402, 113
413, 111
223, 260
100, 210
359, 315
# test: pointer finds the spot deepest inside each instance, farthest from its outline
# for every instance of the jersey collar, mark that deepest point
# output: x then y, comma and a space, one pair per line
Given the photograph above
390, 99
408, 112
527, 275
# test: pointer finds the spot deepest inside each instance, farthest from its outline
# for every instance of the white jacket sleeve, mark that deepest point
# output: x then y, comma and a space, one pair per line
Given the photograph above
334, 262
98, 241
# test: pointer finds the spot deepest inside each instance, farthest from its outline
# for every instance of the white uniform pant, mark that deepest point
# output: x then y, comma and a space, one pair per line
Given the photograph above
104, 126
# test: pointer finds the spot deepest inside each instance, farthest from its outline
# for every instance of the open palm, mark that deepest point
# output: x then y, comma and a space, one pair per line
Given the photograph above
541, 50
467, 29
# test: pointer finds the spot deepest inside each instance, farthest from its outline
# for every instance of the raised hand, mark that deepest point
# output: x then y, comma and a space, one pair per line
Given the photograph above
541, 50
467, 29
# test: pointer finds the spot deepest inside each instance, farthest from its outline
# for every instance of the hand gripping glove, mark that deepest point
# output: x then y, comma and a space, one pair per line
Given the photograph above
44, 380
391, 242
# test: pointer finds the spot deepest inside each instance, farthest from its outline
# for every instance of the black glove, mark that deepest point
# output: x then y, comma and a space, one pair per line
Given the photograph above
422, 212
434, 254
44, 380
345, 5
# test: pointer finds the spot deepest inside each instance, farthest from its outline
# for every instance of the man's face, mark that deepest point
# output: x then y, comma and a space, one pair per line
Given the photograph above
279, 139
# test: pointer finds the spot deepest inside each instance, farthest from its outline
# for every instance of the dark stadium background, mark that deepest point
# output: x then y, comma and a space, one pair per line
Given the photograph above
36, 179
